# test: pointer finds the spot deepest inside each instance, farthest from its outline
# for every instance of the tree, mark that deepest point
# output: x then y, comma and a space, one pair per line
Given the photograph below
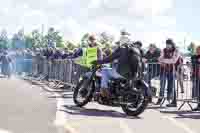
192, 48
84, 40
106, 39
4, 41
36, 39
70, 45
29, 42
53, 38
18, 39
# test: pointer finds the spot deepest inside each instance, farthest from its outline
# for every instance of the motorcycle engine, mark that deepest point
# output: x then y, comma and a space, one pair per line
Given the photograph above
115, 86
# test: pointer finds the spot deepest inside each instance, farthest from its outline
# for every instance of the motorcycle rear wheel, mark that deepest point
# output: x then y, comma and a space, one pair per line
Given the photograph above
139, 110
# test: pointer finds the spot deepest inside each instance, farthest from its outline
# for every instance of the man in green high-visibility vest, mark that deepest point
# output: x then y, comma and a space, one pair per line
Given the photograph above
90, 53
93, 44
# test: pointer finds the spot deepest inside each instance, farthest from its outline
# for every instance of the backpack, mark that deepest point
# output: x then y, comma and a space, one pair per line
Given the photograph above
135, 61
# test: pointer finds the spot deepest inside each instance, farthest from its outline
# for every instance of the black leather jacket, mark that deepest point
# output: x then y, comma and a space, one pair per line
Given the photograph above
123, 66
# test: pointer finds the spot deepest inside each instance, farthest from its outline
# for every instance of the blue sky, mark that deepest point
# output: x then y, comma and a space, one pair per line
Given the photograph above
147, 20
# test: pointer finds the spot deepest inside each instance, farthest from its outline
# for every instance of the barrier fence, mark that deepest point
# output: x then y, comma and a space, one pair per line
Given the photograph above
60, 71
172, 82
180, 82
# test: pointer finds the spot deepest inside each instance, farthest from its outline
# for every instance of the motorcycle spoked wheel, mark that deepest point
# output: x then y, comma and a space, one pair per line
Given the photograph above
86, 89
139, 103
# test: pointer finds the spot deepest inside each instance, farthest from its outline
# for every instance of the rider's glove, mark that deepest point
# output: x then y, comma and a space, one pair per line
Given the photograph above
95, 62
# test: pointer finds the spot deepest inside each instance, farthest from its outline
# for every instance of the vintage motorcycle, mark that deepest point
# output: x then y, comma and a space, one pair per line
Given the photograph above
131, 95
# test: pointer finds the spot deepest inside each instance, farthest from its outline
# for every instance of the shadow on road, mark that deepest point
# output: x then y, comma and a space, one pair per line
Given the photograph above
155, 107
73, 110
178, 112
183, 114
191, 116
1, 76
66, 96
44, 86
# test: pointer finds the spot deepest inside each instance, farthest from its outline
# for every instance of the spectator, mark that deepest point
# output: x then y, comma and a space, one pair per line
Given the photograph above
196, 77
153, 68
57, 54
19, 62
48, 53
66, 54
1, 53
28, 61
6, 64
138, 44
77, 53
168, 59
180, 73
107, 52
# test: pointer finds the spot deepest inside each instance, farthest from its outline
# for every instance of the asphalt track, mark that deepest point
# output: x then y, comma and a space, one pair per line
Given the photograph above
28, 108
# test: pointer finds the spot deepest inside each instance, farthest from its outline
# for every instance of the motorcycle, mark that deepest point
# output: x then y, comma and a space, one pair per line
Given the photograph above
131, 95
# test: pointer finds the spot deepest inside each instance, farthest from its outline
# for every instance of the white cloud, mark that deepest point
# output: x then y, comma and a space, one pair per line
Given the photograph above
146, 19
93, 4
164, 21
56, 3
71, 29
159, 37
150, 7
141, 8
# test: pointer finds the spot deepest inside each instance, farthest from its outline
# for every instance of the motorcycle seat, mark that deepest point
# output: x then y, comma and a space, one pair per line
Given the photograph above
123, 80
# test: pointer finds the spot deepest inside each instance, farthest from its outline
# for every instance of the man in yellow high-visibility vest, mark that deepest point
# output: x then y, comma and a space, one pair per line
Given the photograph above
89, 54
93, 44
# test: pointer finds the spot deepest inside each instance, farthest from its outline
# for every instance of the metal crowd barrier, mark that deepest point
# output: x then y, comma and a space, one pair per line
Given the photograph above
184, 85
20, 66
191, 85
57, 71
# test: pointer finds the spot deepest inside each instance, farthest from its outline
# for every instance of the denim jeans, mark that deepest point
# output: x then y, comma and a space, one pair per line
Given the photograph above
153, 70
107, 74
170, 79
196, 88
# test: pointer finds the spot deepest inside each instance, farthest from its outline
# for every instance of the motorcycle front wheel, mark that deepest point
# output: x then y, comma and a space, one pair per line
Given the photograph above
83, 92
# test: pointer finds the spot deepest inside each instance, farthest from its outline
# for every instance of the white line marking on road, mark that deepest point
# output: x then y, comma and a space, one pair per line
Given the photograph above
124, 127
4, 131
179, 124
60, 115
60, 119
69, 128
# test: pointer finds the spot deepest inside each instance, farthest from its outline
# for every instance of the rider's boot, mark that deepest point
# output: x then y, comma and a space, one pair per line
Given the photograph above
105, 95
198, 106
104, 92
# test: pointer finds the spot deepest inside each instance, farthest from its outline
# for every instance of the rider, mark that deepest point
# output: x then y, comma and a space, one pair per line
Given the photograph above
123, 69
124, 38
138, 44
